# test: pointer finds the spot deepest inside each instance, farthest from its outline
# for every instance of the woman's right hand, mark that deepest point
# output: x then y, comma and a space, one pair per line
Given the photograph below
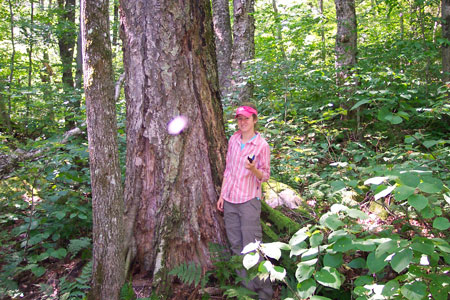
220, 204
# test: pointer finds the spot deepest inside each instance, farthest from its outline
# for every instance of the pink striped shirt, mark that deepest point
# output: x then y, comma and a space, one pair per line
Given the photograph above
241, 185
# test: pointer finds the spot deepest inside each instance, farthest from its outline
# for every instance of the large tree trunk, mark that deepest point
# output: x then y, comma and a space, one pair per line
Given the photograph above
172, 181
224, 43
243, 48
446, 35
107, 196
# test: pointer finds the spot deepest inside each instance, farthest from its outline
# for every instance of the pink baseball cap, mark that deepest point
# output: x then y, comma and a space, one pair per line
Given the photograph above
246, 111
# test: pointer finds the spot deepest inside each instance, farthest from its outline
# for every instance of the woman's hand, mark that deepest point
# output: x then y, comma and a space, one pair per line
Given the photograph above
220, 204
251, 166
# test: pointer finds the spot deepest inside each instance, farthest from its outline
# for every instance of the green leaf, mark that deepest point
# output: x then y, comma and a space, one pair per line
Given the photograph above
376, 264
358, 263
418, 201
316, 239
38, 271
431, 185
357, 214
430, 143
414, 291
299, 236
304, 272
361, 102
306, 288
390, 289
402, 192
333, 260
60, 215
387, 247
319, 298
441, 223
410, 179
424, 247
363, 280
343, 245
329, 277
440, 288
401, 260
331, 221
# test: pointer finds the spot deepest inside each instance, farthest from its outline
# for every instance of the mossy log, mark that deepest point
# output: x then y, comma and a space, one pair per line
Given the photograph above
281, 223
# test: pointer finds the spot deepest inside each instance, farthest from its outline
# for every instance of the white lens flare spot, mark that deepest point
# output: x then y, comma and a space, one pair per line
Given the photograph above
177, 125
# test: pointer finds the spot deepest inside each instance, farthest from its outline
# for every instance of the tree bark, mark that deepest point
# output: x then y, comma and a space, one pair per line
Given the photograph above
446, 35
172, 181
243, 48
107, 195
224, 43
345, 40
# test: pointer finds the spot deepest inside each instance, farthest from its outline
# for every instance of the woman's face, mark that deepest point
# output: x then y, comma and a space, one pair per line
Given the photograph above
246, 124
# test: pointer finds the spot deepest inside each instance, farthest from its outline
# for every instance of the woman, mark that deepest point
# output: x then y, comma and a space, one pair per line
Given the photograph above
247, 166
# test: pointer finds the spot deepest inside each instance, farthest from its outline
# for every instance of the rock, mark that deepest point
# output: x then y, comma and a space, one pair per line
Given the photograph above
278, 194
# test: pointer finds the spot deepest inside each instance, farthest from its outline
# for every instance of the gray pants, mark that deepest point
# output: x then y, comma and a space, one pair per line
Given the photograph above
242, 223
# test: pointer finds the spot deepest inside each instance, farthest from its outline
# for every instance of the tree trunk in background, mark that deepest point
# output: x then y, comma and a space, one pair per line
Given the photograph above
446, 35
107, 196
7, 115
279, 34
322, 31
79, 60
172, 181
345, 63
345, 40
224, 43
66, 43
243, 48
30, 37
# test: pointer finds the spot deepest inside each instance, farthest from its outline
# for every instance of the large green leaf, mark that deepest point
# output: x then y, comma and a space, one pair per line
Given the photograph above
430, 185
418, 201
358, 263
401, 260
410, 179
441, 223
299, 236
331, 221
390, 246
391, 288
414, 291
316, 239
376, 264
306, 288
304, 272
333, 260
329, 277
402, 192
343, 245
423, 247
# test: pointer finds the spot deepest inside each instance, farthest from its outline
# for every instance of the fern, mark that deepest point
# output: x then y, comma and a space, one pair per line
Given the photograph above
77, 245
71, 290
240, 293
188, 273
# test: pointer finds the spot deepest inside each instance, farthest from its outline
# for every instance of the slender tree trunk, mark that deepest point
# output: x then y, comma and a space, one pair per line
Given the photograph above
346, 48
243, 48
279, 34
446, 35
66, 43
107, 196
172, 181
11, 68
322, 31
345, 40
79, 60
224, 43
30, 53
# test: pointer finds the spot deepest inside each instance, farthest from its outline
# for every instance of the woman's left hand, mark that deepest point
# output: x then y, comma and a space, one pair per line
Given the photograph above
251, 166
